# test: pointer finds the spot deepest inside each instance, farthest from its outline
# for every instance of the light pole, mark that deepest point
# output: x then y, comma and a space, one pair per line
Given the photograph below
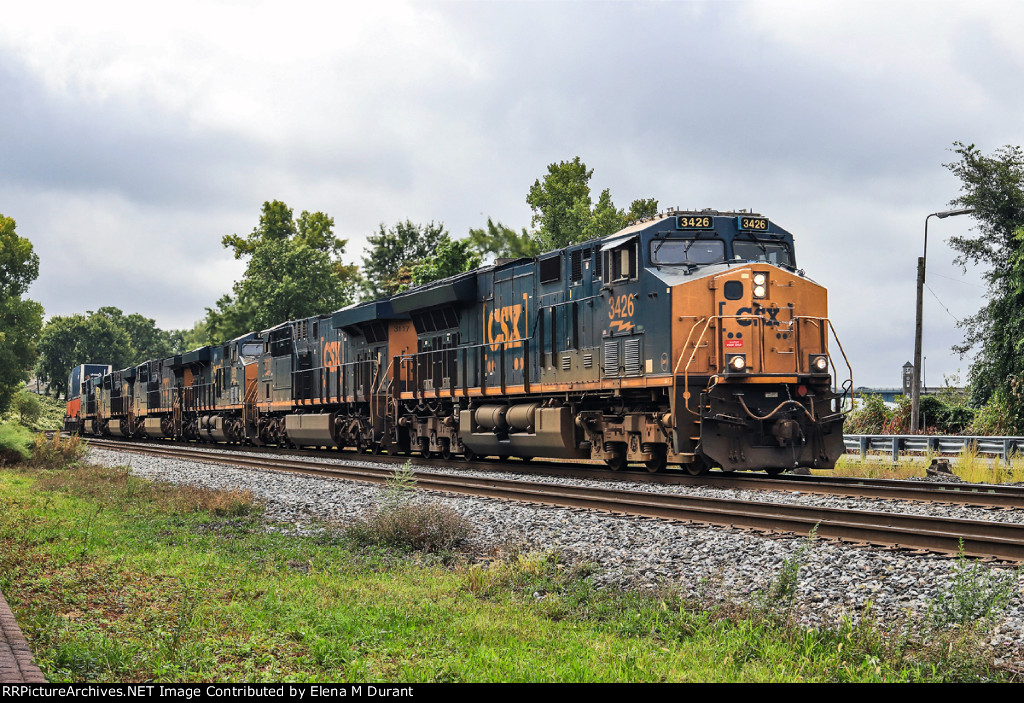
915, 396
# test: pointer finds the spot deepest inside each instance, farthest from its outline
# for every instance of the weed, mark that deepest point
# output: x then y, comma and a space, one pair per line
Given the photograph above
426, 527
186, 619
780, 595
975, 596
400, 486
57, 453
534, 573
87, 533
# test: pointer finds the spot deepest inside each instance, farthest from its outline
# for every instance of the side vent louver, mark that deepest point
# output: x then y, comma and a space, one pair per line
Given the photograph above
611, 357
576, 265
632, 357
588, 361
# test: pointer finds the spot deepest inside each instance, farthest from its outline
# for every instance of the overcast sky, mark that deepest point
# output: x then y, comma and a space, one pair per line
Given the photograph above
133, 136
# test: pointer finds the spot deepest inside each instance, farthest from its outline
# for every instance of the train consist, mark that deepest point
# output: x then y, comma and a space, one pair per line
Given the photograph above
688, 340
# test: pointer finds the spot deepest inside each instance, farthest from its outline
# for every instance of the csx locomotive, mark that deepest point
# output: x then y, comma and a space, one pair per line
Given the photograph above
690, 339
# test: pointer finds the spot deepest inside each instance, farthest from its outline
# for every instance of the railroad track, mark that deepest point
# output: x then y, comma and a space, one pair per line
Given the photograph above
983, 539
981, 495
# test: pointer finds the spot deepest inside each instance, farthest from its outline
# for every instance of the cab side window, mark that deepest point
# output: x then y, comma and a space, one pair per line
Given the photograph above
620, 263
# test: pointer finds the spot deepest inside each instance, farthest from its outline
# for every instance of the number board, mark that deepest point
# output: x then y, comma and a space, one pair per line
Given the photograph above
694, 222
756, 224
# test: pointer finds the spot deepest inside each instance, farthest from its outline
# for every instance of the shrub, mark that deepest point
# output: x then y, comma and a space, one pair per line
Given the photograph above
425, 527
400, 523
899, 420
57, 453
28, 406
993, 419
869, 418
36, 412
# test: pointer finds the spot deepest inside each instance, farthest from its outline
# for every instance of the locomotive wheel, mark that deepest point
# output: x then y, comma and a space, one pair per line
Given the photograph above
470, 455
446, 453
503, 457
617, 462
657, 462
377, 449
698, 468
774, 471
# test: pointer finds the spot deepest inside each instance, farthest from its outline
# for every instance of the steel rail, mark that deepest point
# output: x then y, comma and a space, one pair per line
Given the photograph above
982, 495
1004, 541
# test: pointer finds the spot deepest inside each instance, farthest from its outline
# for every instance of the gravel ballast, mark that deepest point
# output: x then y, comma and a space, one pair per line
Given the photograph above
836, 580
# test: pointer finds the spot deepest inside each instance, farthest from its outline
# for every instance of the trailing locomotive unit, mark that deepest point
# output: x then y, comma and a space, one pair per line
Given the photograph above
690, 339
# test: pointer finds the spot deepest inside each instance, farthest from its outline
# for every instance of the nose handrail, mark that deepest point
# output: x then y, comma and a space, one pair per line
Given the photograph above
823, 323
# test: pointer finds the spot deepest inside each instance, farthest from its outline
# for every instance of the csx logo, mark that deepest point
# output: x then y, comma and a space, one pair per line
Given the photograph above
332, 354
502, 325
769, 316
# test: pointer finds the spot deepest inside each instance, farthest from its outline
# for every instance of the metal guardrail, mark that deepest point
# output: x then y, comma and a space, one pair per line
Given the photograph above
1002, 447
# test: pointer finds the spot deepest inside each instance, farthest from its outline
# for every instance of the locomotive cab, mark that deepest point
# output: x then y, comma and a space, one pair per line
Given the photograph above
751, 348
74, 414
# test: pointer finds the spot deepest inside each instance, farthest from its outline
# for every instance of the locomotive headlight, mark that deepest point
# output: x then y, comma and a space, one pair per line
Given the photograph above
819, 363
760, 285
736, 363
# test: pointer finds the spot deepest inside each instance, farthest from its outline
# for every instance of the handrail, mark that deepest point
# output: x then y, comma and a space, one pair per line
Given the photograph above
505, 344
755, 320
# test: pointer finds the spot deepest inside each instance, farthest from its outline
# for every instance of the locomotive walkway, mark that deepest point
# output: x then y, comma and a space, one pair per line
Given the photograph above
16, 665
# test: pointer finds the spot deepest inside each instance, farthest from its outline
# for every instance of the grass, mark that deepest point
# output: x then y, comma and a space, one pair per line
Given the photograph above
968, 465
114, 578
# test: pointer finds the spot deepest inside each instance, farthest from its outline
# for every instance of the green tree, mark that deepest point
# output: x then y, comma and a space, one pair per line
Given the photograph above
294, 271
394, 251
605, 219
21, 320
642, 209
497, 241
147, 341
564, 213
561, 204
449, 259
994, 187
70, 340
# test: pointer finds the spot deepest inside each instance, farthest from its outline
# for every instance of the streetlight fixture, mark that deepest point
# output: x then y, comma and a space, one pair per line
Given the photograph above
915, 397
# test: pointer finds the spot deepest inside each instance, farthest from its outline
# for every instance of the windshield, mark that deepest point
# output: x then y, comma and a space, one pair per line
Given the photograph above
771, 252
687, 251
